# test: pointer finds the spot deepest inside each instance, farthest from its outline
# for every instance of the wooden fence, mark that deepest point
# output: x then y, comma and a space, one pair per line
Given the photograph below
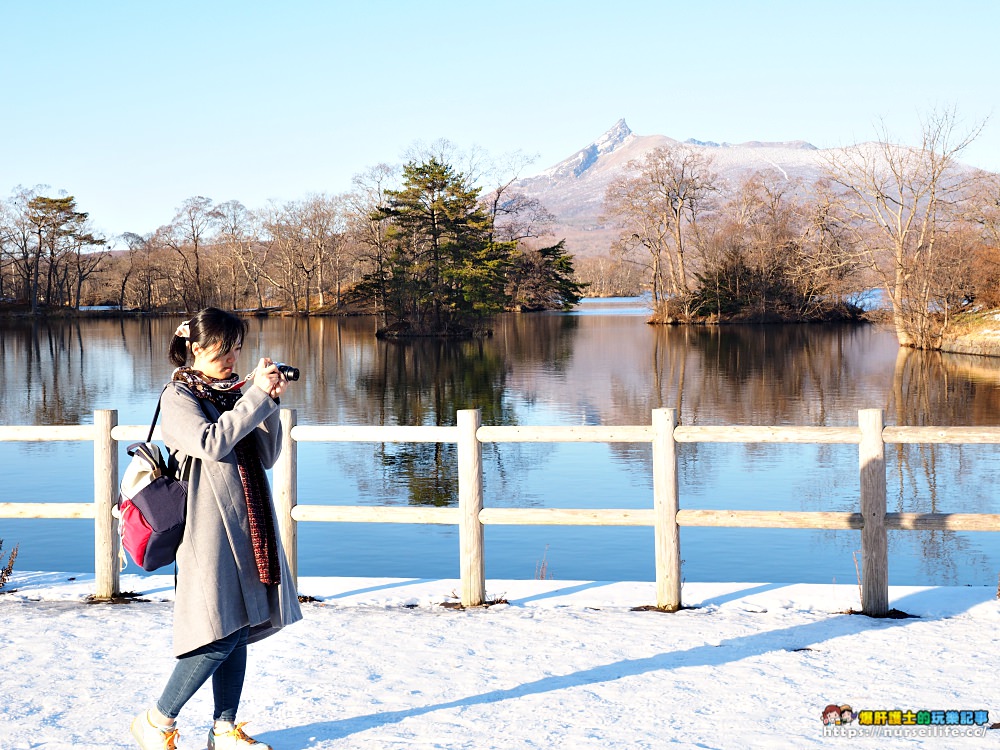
665, 516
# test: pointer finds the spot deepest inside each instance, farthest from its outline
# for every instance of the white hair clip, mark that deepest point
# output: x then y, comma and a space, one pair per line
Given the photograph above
183, 331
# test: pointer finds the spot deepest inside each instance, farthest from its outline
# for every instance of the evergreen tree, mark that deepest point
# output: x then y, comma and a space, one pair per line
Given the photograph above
56, 225
443, 275
542, 279
445, 269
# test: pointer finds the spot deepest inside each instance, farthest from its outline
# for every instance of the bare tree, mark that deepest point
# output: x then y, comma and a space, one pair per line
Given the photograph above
768, 254
367, 228
84, 261
324, 228
288, 271
656, 205
984, 217
473, 164
514, 216
829, 256
16, 241
134, 245
985, 207
899, 202
144, 272
606, 276
245, 255
187, 235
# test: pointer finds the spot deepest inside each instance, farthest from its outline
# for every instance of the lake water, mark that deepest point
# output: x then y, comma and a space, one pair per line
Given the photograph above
600, 364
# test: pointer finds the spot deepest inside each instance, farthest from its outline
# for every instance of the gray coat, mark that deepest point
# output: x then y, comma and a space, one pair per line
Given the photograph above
218, 587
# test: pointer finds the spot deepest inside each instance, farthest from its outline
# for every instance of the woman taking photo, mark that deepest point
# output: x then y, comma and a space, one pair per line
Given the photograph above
232, 581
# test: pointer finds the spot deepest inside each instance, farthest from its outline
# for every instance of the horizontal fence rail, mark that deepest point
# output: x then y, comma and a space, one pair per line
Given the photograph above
665, 516
30, 434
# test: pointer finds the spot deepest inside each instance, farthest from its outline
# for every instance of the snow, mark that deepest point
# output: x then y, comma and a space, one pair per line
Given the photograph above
380, 663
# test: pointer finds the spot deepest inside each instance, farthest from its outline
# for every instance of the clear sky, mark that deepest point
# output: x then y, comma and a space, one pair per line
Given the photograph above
134, 106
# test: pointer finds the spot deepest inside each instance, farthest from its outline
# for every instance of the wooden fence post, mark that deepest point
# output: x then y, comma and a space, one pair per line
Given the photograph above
286, 492
874, 542
665, 504
106, 569
470, 502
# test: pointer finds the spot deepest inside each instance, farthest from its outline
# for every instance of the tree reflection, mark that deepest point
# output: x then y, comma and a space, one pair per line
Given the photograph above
426, 382
938, 388
40, 365
566, 369
770, 374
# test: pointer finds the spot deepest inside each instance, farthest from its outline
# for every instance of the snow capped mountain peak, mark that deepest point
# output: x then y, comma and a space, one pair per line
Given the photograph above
613, 138
573, 190
582, 160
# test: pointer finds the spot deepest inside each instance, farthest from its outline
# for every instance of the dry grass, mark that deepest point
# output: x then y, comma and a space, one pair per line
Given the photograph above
6, 570
542, 571
982, 323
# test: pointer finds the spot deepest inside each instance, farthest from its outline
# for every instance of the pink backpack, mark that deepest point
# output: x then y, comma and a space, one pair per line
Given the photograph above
152, 505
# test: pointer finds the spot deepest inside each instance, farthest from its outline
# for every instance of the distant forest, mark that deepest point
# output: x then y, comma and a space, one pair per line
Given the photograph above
421, 247
430, 251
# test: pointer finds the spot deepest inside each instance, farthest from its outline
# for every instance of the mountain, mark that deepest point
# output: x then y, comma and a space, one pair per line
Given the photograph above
573, 189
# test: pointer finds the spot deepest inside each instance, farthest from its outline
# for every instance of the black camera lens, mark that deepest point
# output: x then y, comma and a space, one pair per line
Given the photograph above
289, 372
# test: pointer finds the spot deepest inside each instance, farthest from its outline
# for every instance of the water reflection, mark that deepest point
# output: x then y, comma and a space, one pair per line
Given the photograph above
426, 383
41, 362
592, 368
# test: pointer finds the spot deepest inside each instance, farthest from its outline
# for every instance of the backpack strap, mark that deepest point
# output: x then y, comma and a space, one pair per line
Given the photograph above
156, 414
183, 470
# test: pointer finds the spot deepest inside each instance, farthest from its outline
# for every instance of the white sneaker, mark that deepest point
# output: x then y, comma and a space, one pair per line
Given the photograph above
151, 737
234, 739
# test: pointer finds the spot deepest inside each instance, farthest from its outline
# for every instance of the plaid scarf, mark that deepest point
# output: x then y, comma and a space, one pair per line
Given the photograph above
224, 394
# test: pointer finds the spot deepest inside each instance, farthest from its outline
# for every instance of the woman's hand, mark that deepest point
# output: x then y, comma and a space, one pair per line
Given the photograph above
268, 379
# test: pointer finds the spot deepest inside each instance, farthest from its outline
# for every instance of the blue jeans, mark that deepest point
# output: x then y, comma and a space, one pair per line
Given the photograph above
225, 661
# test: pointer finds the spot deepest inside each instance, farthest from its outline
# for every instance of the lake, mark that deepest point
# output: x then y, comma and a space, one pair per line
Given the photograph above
600, 364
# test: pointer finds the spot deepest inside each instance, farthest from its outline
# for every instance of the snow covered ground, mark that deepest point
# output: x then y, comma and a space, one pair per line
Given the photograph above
379, 663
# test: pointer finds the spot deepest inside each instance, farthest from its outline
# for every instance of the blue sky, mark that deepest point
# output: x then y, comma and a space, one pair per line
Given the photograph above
135, 106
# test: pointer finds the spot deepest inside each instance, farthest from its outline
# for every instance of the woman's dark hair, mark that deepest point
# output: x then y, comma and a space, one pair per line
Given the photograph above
208, 327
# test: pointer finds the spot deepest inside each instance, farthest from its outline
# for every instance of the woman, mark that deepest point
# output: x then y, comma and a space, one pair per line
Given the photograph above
232, 583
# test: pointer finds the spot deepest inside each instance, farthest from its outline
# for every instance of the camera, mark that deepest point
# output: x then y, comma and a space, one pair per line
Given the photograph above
287, 371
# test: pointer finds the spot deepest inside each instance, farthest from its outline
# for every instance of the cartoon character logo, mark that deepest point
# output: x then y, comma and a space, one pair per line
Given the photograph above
847, 716
831, 714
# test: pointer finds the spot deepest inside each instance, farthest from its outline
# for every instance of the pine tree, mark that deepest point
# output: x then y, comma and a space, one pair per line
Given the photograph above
443, 275
542, 279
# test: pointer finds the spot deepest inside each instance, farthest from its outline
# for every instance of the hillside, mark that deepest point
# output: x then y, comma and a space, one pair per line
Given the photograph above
573, 189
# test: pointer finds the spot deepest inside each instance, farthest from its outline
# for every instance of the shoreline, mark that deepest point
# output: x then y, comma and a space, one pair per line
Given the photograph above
984, 342
974, 333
